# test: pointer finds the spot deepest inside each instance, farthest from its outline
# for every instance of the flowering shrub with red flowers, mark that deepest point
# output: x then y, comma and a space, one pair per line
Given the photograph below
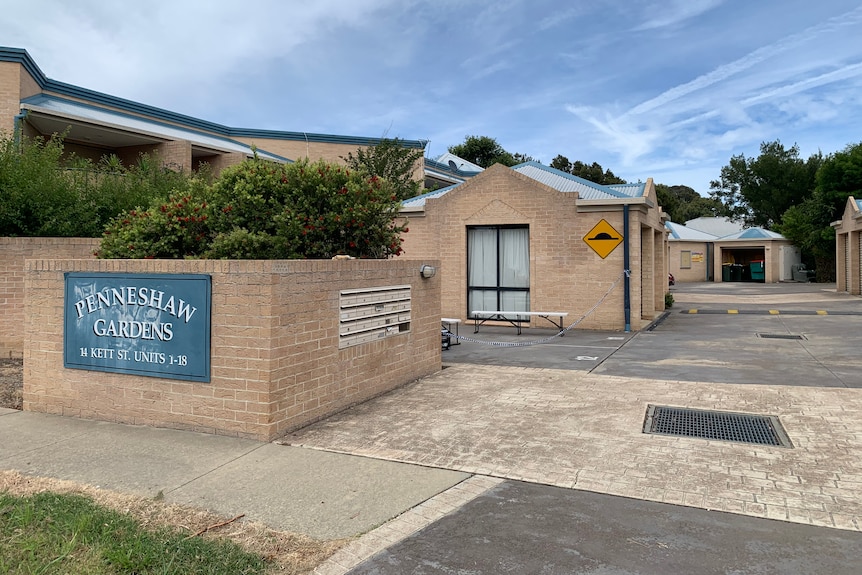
332, 210
176, 227
262, 210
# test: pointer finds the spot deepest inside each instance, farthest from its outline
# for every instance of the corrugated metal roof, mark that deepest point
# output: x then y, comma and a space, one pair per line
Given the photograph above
72, 110
419, 201
753, 234
557, 180
461, 165
587, 190
444, 171
715, 226
631, 190
681, 232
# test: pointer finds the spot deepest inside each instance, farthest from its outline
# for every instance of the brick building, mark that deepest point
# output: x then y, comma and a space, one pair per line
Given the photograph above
848, 248
708, 249
97, 124
546, 213
532, 238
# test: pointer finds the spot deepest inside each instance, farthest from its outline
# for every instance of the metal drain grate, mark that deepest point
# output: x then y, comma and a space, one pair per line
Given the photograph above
720, 425
781, 336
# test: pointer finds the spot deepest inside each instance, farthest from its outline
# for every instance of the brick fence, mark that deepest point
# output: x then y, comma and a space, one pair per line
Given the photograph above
13, 252
276, 364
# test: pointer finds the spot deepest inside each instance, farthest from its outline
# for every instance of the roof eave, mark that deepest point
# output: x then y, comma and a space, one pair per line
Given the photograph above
616, 202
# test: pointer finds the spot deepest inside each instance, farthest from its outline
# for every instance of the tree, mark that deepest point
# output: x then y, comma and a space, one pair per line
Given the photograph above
682, 203
759, 190
484, 151
592, 172
808, 224
392, 161
522, 158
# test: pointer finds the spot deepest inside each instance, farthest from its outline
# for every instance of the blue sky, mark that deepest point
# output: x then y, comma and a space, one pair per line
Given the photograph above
665, 89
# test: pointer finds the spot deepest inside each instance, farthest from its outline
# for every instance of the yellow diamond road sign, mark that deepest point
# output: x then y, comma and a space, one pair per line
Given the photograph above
603, 238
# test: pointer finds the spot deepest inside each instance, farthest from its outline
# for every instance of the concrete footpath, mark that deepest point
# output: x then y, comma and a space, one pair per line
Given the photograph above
325, 495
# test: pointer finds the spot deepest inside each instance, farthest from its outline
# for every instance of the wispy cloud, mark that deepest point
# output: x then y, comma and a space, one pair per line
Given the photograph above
674, 12
735, 103
750, 60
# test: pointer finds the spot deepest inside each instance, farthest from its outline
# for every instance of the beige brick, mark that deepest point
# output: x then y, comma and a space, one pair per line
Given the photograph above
565, 274
260, 387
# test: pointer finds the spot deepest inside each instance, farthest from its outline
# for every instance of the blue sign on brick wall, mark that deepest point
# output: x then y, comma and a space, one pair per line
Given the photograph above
156, 325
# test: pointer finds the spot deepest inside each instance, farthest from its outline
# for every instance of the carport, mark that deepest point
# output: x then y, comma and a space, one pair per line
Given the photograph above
750, 255
755, 255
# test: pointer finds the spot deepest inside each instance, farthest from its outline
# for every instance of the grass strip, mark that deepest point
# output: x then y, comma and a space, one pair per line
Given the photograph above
60, 533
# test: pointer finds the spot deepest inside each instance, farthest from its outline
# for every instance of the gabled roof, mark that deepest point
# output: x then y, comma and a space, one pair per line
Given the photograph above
419, 201
753, 234
681, 232
587, 190
715, 226
552, 178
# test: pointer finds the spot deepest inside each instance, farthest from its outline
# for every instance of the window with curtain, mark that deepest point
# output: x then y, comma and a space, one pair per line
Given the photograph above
498, 268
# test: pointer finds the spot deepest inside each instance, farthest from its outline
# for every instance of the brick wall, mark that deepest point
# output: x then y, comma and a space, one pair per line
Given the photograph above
295, 150
698, 270
331, 152
10, 95
276, 364
566, 275
848, 249
13, 252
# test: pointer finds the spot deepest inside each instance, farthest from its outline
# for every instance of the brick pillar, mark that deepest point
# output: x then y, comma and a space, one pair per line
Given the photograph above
176, 155
840, 262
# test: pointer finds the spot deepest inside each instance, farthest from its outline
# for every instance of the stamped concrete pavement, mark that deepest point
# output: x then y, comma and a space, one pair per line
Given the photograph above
572, 429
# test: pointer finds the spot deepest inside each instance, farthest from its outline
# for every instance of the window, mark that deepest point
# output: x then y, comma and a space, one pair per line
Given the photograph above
498, 268
685, 259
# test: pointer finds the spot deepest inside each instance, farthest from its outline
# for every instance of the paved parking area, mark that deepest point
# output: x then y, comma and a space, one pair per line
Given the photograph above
734, 333
577, 423
578, 430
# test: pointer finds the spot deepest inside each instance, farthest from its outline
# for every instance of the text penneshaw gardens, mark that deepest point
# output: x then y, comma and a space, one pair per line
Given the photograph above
157, 325
134, 296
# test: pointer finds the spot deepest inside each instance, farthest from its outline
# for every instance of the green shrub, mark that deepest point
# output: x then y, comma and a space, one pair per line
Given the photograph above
46, 193
176, 227
332, 210
36, 196
668, 300
241, 244
262, 210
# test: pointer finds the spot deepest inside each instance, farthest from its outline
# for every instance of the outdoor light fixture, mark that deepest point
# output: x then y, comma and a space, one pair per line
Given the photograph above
427, 271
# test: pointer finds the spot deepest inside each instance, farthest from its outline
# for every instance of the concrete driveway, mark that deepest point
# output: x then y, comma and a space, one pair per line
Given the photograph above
573, 428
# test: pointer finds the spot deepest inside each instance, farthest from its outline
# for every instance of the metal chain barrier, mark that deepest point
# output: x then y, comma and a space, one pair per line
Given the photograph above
551, 337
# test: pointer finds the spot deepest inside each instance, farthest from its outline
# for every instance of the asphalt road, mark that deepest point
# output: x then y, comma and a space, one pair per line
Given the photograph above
526, 528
